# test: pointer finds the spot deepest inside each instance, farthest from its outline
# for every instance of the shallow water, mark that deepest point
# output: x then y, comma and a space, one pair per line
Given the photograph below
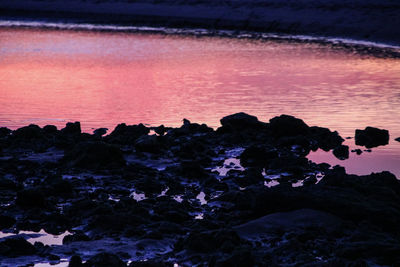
102, 79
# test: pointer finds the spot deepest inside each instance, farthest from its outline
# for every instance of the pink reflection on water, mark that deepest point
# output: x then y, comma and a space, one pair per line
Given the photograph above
102, 79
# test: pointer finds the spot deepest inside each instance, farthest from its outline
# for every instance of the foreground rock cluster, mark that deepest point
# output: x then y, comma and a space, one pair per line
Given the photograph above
242, 195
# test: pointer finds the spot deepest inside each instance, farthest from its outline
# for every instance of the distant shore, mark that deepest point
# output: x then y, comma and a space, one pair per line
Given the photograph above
360, 20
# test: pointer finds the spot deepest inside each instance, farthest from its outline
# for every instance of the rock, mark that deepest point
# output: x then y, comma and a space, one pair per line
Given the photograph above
148, 143
6, 221
94, 155
75, 238
100, 131
75, 261
124, 134
325, 138
50, 129
357, 151
160, 130
17, 246
372, 137
240, 121
286, 125
105, 259
72, 128
4, 131
28, 132
397, 139
341, 152
149, 263
29, 198
257, 156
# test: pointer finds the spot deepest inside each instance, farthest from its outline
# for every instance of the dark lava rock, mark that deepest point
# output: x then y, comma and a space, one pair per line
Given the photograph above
28, 132
105, 259
75, 238
160, 130
94, 155
100, 131
149, 263
341, 152
6, 221
33, 197
50, 129
257, 156
240, 121
286, 125
325, 138
372, 137
14, 247
75, 261
127, 134
397, 139
148, 143
72, 128
4, 131
357, 151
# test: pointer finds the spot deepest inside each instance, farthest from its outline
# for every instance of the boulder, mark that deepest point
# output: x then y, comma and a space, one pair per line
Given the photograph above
17, 246
397, 139
241, 121
341, 152
325, 138
6, 221
32, 197
372, 137
105, 259
94, 155
4, 131
148, 143
50, 129
100, 131
28, 132
72, 128
257, 156
127, 134
286, 125
75, 238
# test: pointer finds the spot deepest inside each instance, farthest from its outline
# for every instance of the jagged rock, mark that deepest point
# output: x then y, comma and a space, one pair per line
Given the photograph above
325, 138
17, 246
240, 121
372, 137
105, 259
94, 155
33, 197
75, 238
4, 131
148, 143
127, 134
72, 128
286, 125
28, 132
100, 131
341, 152
50, 129
257, 156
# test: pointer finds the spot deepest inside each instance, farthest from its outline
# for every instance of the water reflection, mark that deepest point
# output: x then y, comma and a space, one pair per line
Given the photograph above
102, 79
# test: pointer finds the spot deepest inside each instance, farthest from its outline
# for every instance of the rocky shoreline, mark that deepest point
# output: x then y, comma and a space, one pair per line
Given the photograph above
242, 195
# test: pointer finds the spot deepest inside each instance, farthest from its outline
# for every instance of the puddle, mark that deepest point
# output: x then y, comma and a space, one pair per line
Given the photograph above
137, 196
41, 236
271, 183
201, 197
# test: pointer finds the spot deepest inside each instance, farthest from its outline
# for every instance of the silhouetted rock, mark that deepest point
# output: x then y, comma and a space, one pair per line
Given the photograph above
357, 151
100, 131
28, 132
371, 137
160, 130
126, 134
94, 155
50, 129
72, 128
341, 152
75, 238
75, 261
149, 263
325, 138
397, 139
105, 259
148, 143
33, 197
240, 121
17, 246
4, 131
257, 156
286, 125
6, 221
